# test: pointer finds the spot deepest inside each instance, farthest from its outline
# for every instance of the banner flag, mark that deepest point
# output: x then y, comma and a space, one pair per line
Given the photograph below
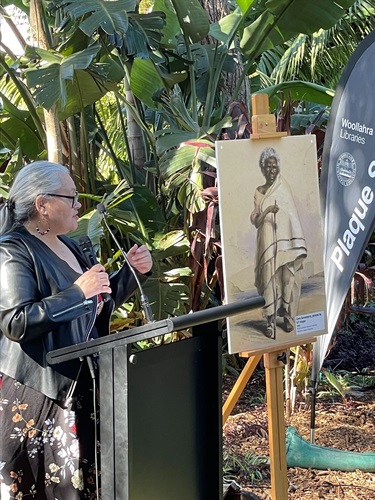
347, 183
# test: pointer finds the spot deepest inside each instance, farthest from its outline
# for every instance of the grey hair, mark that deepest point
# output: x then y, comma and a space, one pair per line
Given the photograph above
265, 155
35, 178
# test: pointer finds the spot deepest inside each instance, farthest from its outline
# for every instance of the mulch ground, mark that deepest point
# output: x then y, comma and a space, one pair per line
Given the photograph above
343, 424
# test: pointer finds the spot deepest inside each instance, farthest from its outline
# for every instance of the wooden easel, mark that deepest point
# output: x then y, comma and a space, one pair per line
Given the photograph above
273, 364
262, 121
264, 127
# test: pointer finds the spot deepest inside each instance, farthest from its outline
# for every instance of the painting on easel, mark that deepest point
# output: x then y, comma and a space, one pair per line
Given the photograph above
272, 240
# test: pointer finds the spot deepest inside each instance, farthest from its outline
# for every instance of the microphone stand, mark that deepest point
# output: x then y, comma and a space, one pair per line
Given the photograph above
145, 304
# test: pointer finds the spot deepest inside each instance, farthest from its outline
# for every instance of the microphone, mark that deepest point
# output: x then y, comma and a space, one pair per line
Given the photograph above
145, 304
88, 250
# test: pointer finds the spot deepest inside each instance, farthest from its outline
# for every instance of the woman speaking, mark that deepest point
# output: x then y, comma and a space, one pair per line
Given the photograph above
50, 298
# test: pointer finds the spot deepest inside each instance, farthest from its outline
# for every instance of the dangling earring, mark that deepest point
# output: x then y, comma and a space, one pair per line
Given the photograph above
42, 233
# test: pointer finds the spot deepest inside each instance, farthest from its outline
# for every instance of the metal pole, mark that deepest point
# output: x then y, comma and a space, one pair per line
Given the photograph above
313, 390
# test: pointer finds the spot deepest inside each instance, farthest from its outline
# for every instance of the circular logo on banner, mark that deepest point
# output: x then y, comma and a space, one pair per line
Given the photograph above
346, 169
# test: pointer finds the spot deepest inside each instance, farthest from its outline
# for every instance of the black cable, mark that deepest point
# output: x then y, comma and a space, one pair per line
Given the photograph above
144, 299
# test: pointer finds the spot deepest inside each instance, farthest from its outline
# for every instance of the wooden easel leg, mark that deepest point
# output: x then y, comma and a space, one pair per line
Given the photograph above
239, 386
276, 425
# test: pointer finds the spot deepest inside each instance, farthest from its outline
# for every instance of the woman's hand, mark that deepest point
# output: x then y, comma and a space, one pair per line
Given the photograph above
272, 209
94, 281
140, 258
257, 218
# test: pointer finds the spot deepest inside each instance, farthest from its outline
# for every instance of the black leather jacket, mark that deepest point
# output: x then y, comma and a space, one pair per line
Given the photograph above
42, 310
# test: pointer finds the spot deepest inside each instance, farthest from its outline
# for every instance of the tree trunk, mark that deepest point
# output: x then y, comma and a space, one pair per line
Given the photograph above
215, 10
52, 123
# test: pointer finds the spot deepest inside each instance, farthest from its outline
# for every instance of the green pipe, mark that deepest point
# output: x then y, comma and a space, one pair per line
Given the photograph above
301, 453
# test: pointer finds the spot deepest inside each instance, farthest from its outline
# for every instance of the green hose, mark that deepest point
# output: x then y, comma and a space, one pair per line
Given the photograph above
301, 453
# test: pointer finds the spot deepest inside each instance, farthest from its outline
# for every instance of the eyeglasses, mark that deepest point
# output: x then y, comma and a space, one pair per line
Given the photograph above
73, 198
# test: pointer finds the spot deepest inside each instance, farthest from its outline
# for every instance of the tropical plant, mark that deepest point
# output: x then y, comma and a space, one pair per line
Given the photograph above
140, 102
251, 466
320, 57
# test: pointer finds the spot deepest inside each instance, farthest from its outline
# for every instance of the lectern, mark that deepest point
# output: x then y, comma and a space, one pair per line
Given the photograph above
160, 408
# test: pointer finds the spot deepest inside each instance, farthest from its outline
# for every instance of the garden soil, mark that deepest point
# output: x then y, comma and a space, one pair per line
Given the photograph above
343, 423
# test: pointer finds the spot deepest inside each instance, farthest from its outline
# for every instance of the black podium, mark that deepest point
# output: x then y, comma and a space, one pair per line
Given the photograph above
160, 409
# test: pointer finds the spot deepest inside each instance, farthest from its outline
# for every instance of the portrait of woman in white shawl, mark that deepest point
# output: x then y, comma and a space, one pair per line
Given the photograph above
272, 240
281, 246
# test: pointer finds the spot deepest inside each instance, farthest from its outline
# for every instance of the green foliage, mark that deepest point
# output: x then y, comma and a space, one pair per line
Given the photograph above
192, 18
319, 57
146, 81
334, 382
344, 383
17, 126
50, 80
299, 91
353, 381
141, 101
229, 364
249, 465
110, 16
11, 163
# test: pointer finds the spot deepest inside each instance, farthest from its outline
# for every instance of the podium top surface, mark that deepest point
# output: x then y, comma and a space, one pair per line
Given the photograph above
150, 330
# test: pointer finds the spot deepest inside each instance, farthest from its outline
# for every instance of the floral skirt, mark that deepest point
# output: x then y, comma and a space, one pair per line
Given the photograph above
47, 452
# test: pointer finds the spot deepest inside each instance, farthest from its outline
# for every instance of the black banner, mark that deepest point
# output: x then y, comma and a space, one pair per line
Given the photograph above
347, 183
